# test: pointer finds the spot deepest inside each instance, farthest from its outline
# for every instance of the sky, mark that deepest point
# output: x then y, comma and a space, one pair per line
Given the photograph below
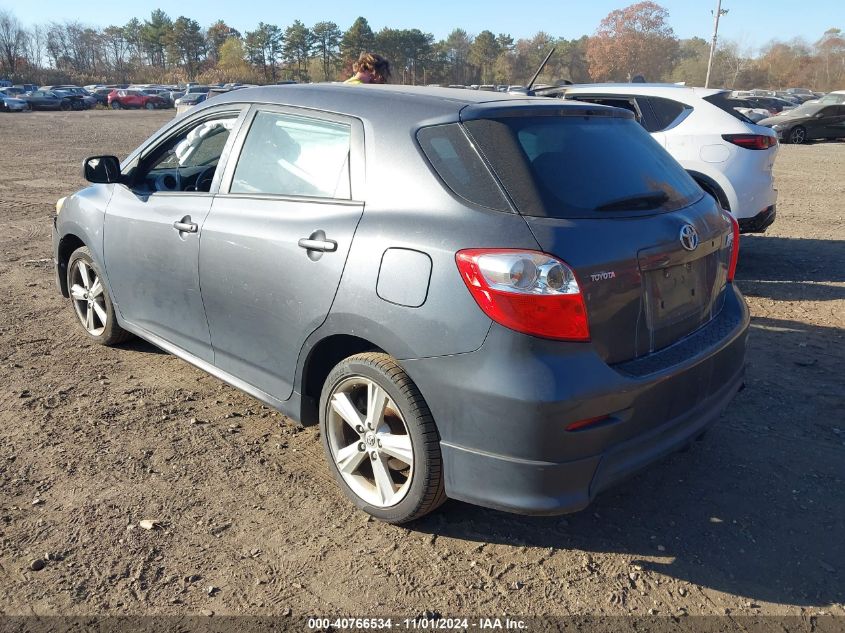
750, 22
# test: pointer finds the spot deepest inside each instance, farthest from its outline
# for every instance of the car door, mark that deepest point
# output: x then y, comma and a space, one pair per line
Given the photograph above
832, 122
275, 242
153, 225
42, 99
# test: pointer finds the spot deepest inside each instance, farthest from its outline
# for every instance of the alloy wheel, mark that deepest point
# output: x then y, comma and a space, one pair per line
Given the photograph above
89, 300
369, 442
798, 136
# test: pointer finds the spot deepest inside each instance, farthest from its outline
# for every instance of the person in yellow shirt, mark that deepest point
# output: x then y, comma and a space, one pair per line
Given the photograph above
371, 68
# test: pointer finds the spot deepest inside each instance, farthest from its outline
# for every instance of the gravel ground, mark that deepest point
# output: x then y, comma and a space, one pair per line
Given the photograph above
95, 440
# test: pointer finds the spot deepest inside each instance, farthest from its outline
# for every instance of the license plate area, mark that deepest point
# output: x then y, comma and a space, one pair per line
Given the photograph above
675, 294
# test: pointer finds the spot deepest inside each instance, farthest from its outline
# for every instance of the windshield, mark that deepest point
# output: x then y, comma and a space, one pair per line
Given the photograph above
568, 166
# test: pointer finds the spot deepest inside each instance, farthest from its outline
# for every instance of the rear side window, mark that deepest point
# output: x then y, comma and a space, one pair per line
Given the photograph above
665, 111
294, 156
721, 101
455, 160
582, 166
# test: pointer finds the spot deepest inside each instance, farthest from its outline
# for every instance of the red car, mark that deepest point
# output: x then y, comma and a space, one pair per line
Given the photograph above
135, 99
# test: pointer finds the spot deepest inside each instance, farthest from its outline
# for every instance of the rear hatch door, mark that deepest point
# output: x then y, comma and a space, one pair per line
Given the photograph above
649, 250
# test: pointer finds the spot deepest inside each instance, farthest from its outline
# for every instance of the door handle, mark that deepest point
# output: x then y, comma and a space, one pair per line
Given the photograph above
185, 227
324, 246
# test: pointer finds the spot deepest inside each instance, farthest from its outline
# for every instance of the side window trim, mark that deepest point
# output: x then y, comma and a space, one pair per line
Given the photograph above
356, 153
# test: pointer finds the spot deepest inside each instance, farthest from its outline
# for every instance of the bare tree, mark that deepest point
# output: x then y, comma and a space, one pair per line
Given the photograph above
35, 45
12, 41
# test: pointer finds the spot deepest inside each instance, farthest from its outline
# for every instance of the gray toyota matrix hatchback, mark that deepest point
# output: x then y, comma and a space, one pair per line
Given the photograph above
506, 300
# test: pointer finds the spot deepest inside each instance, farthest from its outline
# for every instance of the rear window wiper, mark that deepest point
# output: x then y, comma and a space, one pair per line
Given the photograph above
638, 202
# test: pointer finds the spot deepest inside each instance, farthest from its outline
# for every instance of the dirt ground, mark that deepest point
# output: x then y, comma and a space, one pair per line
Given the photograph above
751, 520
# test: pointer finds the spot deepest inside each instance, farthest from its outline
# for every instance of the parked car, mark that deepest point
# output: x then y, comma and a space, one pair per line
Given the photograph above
189, 89
188, 101
9, 103
102, 95
118, 99
747, 109
548, 327
82, 100
726, 154
772, 104
163, 93
51, 100
837, 96
809, 121
87, 97
78, 101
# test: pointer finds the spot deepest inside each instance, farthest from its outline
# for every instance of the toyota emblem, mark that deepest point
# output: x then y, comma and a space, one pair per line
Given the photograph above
689, 237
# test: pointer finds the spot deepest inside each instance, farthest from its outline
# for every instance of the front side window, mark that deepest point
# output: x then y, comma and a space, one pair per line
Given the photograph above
187, 162
294, 156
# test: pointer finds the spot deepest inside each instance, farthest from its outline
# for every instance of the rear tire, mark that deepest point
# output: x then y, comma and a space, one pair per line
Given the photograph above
65, 106
91, 301
797, 135
402, 444
150, 106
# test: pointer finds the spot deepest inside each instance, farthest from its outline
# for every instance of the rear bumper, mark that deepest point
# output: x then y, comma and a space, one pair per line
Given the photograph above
760, 222
502, 412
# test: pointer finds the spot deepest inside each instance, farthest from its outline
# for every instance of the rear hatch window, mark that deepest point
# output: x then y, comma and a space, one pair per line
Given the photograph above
581, 166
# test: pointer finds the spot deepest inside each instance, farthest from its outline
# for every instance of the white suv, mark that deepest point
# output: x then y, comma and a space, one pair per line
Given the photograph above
729, 156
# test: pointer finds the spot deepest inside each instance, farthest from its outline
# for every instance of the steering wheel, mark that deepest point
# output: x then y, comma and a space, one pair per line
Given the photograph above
204, 179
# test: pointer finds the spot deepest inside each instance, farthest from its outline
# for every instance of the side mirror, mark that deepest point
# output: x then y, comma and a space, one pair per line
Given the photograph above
101, 169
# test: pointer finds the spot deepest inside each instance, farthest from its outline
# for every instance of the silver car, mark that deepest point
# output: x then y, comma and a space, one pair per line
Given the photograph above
505, 300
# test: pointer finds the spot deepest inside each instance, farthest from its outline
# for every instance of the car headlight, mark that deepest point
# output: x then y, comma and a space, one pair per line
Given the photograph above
59, 204
778, 127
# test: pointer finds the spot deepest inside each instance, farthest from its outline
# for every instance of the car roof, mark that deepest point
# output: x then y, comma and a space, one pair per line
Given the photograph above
406, 105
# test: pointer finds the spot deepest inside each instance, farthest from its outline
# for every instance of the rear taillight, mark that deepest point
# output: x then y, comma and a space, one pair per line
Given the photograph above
526, 291
751, 141
732, 242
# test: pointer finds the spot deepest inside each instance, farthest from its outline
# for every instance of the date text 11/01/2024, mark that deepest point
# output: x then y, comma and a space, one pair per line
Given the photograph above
417, 624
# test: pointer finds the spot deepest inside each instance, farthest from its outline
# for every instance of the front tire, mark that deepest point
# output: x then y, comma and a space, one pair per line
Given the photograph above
797, 135
115, 105
380, 439
91, 302
150, 106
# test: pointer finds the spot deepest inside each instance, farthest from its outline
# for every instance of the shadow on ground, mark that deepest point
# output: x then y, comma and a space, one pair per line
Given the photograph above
140, 345
791, 262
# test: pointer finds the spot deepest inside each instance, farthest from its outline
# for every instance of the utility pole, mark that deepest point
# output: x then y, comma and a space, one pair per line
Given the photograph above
716, 15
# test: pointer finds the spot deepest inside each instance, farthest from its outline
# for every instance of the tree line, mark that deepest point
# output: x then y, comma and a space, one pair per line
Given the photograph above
635, 40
